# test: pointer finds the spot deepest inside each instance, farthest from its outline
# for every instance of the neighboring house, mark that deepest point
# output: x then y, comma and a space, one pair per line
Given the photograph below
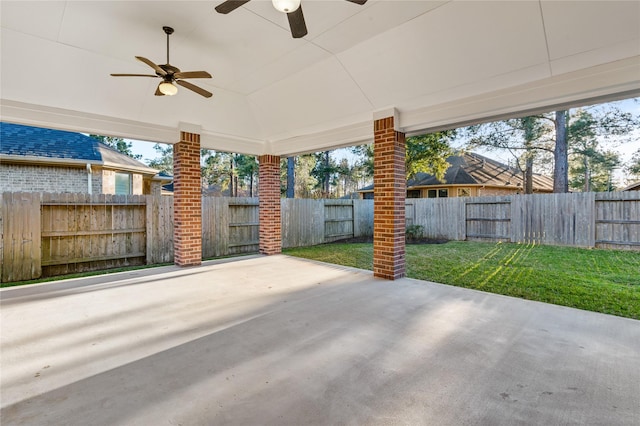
34, 159
632, 187
470, 175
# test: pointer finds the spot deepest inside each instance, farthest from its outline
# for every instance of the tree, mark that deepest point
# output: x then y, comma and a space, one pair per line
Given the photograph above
633, 167
524, 138
325, 171
559, 136
424, 154
561, 154
218, 169
428, 153
118, 144
247, 170
164, 162
592, 170
591, 165
291, 177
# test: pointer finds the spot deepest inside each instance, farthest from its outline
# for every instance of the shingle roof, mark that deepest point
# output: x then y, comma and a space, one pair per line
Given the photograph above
475, 169
26, 141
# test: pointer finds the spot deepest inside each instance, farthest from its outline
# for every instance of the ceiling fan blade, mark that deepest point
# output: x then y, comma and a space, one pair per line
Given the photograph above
193, 87
192, 74
360, 2
135, 75
297, 24
157, 69
230, 6
158, 92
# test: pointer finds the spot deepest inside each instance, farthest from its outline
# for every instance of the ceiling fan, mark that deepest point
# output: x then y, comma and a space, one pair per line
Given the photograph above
170, 74
292, 8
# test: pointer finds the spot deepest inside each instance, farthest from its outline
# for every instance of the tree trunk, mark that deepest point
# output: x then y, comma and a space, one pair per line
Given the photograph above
291, 177
231, 177
528, 176
561, 155
326, 175
235, 186
587, 175
251, 185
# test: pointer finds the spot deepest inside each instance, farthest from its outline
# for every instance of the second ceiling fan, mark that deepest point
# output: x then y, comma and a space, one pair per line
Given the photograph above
292, 8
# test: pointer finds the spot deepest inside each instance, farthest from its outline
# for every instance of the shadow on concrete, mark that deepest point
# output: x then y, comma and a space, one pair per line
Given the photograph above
350, 349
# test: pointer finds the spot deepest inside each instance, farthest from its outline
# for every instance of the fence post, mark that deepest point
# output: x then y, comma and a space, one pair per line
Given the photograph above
149, 240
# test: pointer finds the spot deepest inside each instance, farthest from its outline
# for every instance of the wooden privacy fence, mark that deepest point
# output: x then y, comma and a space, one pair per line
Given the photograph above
49, 234
311, 222
45, 234
605, 220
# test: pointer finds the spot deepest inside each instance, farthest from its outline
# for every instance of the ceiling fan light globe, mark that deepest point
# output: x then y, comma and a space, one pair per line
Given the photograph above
167, 89
286, 6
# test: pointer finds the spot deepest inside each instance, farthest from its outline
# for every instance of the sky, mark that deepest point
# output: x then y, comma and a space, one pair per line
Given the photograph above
626, 150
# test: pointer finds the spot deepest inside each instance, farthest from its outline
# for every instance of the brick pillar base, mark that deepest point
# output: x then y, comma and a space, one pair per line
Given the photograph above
269, 193
389, 193
187, 201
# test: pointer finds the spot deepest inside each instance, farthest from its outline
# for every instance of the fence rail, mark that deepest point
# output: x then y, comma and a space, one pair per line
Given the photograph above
49, 234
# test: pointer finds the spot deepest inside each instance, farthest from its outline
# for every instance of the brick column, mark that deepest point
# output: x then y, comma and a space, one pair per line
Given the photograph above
389, 192
187, 201
269, 193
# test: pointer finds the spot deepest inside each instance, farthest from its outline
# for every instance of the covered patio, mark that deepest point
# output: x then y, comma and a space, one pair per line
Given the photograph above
373, 71
277, 340
284, 341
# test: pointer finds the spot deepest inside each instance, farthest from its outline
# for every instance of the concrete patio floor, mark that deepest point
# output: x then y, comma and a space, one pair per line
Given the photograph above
284, 341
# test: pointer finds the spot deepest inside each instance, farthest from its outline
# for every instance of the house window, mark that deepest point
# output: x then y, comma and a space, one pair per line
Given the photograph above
367, 195
437, 193
464, 192
414, 193
123, 183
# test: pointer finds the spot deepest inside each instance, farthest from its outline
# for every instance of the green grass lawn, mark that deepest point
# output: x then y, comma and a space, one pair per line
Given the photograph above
606, 281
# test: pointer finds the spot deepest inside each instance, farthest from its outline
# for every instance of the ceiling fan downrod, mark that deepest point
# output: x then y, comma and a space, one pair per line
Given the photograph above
168, 31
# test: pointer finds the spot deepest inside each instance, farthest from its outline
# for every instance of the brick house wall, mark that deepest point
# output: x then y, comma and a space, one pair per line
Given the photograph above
108, 181
32, 178
136, 184
49, 178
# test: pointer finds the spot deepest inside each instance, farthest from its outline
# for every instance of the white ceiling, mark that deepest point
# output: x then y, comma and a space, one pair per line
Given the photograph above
435, 64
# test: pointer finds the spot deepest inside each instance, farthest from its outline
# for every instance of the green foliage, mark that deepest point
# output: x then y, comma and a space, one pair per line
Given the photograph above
424, 154
531, 140
633, 167
597, 167
305, 184
325, 171
428, 153
604, 281
118, 144
230, 171
365, 152
164, 161
414, 232
590, 166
